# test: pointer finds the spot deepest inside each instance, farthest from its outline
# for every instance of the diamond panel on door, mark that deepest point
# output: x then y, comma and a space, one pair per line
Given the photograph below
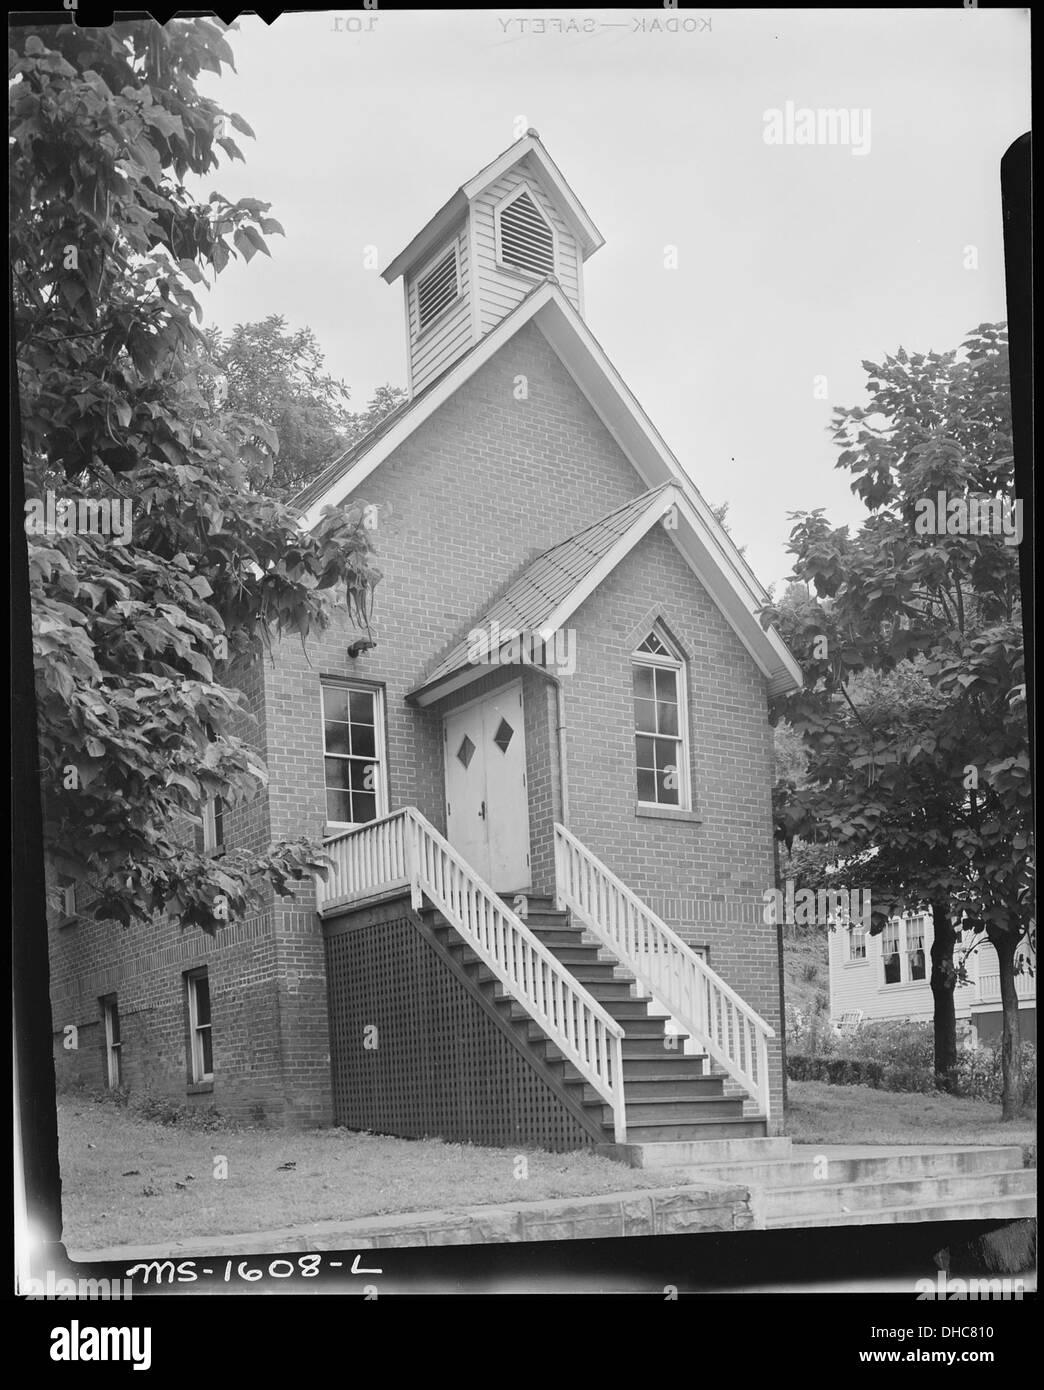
503, 736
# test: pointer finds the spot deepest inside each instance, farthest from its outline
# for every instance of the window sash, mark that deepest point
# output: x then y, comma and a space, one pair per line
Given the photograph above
200, 1034
113, 1042
342, 737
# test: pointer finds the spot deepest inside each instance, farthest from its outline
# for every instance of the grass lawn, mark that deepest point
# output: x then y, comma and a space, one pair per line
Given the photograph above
130, 1181
819, 1113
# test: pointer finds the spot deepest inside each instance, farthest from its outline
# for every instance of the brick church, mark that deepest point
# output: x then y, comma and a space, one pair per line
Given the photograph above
543, 777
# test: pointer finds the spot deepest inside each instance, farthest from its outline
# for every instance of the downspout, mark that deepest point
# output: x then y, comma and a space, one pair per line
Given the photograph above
560, 731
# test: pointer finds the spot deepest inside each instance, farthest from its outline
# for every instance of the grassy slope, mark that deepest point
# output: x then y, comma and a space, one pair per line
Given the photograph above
110, 1158
818, 1113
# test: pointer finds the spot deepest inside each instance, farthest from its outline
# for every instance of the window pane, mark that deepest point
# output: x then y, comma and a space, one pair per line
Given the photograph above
364, 807
206, 1048
364, 743
645, 752
202, 988
363, 775
916, 965
114, 1025
643, 682
667, 795
335, 702
668, 716
645, 716
361, 707
667, 686
646, 785
338, 808
891, 970
666, 753
336, 773
336, 735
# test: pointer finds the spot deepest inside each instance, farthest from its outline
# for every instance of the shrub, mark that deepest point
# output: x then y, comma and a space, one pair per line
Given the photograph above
979, 1074
165, 1110
908, 1047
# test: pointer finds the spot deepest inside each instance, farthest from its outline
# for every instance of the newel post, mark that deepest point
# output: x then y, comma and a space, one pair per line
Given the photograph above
411, 846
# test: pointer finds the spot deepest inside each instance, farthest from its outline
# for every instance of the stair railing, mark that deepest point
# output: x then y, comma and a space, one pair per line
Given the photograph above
681, 981
405, 849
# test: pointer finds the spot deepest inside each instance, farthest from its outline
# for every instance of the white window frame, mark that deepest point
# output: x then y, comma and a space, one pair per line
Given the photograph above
197, 1071
209, 819
380, 745
506, 202
672, 663
423, 329
906, 962
113, 1049
854, 927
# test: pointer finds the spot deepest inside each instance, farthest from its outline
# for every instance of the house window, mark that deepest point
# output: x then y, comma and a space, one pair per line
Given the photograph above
113, 1042
890, 954
213, 824
525, 240
437, 288
915, 962
857, 942
66, 897
353, 744
660, 724
201, 1053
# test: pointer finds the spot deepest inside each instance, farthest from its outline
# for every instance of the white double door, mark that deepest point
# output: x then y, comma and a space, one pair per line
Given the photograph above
487, 804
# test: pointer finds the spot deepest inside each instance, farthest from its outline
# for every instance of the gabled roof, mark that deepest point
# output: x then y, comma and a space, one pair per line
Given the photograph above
553, 586
437, 227
708, 548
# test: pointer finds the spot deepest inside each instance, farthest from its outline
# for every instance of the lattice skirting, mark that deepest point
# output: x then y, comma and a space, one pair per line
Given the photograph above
416, 1050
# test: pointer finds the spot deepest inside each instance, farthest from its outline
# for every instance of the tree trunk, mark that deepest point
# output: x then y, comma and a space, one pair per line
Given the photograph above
944, 978
1005, 943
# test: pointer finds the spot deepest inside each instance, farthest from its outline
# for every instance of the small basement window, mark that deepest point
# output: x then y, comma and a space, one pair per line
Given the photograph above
437, 288
524, 237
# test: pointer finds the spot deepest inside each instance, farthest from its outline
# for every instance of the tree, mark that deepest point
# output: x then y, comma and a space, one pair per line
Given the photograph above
265, 371
913, 713
138, 639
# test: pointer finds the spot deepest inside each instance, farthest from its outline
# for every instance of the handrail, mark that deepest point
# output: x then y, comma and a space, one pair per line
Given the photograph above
406, 849
733, 1034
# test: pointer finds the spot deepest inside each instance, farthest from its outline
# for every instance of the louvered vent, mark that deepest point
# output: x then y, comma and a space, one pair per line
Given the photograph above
437, 289
526, 241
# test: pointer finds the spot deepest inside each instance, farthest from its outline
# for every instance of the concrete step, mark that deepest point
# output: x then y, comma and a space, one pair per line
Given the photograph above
803, 1170
824, 1199
685, 1154
739, 1127
970, 1209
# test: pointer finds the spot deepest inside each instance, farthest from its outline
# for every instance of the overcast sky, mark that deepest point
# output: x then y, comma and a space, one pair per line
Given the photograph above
794, 261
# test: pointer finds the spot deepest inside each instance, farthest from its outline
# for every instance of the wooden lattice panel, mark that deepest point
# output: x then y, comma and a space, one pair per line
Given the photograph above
415, 1053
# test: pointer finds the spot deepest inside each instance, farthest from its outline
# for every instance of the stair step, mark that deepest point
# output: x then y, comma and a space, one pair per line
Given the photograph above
800, 1171
970, 1209
684, 1154
695, 1110
687, 1088
672, 1066
639, 1043
745, 1127
823, 1199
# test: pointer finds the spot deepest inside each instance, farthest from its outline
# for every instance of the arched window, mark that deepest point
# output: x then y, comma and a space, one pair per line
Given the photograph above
661, 723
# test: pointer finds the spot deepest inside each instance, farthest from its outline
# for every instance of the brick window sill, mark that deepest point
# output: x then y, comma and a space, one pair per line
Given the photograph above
668, 813
199, 1088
